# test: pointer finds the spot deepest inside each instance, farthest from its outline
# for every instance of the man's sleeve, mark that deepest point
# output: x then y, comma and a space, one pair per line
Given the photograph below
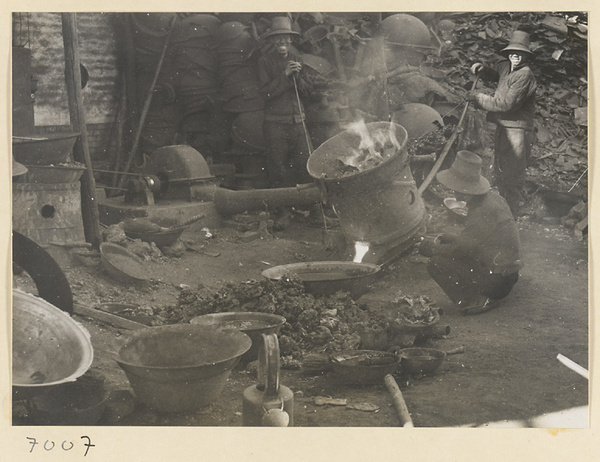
512, 99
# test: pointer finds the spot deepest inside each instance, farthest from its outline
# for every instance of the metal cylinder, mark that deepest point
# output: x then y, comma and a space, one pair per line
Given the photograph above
228, 202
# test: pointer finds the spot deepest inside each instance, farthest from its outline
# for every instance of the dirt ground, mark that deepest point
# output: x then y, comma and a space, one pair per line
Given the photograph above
508, 370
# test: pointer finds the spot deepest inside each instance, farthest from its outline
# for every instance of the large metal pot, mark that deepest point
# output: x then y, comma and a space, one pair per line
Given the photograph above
380, 205
181, 368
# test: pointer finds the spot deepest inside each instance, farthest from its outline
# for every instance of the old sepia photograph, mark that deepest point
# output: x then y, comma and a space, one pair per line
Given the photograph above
294, 219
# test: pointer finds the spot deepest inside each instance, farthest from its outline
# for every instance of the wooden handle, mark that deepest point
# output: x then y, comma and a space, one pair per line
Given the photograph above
456, 351
449, 143
398, 400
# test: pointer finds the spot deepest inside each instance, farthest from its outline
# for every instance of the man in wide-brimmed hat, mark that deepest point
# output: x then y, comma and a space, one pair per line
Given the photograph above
512, 108
480, 265
282, 85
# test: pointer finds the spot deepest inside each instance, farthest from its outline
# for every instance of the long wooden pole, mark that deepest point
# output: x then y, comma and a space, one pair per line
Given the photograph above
147, 102
81, 151
457, 131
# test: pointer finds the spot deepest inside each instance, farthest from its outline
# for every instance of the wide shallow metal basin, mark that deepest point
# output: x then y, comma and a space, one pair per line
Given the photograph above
323, 278
49, 347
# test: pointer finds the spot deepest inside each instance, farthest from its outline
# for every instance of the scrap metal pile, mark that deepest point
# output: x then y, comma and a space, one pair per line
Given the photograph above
559, 43
314, 324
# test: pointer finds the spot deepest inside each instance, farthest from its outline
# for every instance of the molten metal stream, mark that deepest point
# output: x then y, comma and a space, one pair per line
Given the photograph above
361, 249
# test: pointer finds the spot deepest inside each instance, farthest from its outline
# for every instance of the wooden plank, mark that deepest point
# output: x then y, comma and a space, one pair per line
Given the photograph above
103, 316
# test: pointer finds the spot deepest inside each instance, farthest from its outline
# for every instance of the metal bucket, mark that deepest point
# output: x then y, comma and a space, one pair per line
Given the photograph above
197, 27
234, 36
380, 205
149, 30
181, 368
75, 403
247, 130
48, 213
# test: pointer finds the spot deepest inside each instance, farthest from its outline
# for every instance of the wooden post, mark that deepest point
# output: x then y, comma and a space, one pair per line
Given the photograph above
81, 152
383, 107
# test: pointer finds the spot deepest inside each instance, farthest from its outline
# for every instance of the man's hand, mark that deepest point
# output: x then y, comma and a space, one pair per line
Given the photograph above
471, 96
429, 246
291, 67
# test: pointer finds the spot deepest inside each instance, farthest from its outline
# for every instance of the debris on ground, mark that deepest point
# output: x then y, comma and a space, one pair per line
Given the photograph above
314, 324
326, 400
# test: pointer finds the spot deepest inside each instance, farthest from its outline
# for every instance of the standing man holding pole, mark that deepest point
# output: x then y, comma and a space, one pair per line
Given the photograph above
512, 109
282, 83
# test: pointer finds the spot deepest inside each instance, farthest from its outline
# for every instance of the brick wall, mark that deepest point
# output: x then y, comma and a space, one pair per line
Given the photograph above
42, 33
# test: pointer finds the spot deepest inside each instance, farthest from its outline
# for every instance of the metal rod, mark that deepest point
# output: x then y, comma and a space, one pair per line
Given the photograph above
574, 366
148, 100
578, 179
118, 173
446, 149
308, 143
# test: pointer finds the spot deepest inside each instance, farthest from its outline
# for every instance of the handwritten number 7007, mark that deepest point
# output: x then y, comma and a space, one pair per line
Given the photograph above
66, 446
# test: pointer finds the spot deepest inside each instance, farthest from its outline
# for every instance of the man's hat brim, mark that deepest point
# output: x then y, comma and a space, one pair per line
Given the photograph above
520, 48
281, 32
452, 181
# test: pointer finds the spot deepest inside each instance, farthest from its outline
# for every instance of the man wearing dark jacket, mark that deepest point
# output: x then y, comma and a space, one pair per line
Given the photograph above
479, 266
512, 108
282, 83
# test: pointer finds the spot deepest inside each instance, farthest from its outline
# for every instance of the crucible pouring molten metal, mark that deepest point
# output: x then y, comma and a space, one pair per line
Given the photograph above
367, 178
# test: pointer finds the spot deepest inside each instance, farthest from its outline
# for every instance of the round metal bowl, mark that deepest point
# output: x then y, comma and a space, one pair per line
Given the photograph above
63, 173
323, 278
49, 347
253, 324
50, 148
416, 361
182, 367
123, 265
364, 367
457, 208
